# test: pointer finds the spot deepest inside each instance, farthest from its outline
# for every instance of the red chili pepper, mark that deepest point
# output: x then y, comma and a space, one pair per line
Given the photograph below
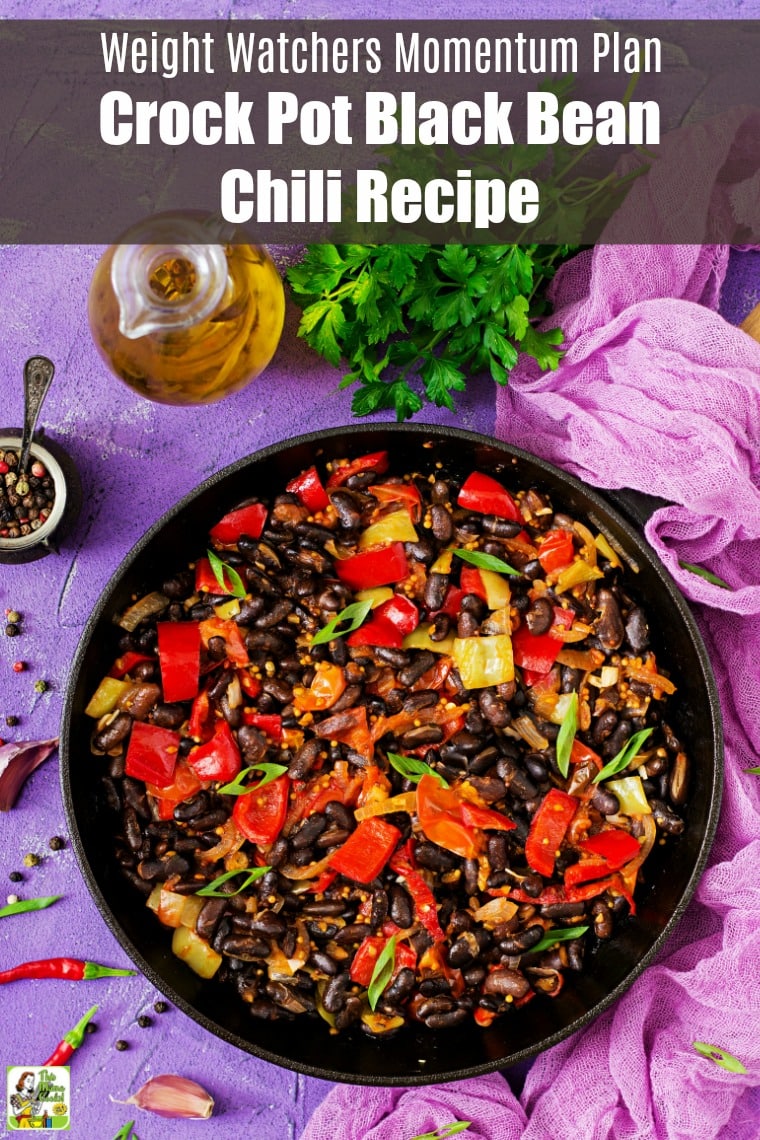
547, 830
219, 759
179, 655
554, 895
230, 632
308, 487
538, 653
70, 969
152, 753
367, 850
260, 815
126, 663
556, 550
72, 1040
375, 567
615, 846
406, 493
245, 520
375, 461
471, 582
482, 493
376, 632
422, 896
268, 723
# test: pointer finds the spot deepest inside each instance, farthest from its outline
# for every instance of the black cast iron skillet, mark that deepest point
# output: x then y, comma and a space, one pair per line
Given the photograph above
415, 1056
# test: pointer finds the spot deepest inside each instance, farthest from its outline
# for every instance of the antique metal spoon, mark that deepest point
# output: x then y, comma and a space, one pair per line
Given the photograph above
38, 374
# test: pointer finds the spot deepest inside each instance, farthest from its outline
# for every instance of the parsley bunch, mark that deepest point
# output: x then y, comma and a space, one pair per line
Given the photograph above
442, 313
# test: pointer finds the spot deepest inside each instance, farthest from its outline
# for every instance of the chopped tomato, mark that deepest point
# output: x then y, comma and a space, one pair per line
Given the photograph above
260, 815
229, 631
349, 727
485, 818
439, 811
184, 785
328, 685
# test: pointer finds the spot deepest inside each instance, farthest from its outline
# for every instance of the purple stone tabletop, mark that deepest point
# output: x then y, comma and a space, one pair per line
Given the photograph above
136, 459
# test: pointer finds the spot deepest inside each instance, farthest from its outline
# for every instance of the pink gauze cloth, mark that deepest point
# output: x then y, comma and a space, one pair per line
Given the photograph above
659, 393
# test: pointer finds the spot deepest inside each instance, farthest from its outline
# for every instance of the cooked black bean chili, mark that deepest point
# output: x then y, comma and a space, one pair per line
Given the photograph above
499, 696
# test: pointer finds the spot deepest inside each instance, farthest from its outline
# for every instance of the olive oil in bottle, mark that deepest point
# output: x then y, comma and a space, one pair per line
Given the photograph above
182, 317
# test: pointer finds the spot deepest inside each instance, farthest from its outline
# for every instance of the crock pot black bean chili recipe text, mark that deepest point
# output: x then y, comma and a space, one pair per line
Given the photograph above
393, 749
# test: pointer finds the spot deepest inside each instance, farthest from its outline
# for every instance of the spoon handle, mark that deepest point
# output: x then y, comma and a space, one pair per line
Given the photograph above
38, 374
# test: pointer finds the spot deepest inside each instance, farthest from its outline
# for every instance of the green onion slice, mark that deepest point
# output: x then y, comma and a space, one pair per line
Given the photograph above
624, 756
24, 905
445, 1132
706, 574
720, 1056
383, 971
413, 769
238, 787
353, 614
486, 561
561, 934
566, 735
234, 584
251, 875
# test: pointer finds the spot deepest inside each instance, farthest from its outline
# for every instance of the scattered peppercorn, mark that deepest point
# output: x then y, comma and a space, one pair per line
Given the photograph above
144, 1021
12, 630
13, 616
11, 721
90, 1027
56, 843
121, 1045
11, 899
161, 1006
41, 686
19, 666
32, 860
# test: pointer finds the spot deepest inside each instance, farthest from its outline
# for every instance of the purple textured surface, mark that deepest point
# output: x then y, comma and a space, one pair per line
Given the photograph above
136, 459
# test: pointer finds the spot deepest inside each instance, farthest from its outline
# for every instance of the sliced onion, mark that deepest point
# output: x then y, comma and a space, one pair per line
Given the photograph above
655, 680
530, 734
151, 604
312, 871
586, 659
406, 801
497, 910
229, 841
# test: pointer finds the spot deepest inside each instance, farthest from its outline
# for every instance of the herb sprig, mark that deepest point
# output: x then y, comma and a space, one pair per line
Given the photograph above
720, 1056
486, 561
566, 735
25, 905
353, 614
227, 576
211, 889
238, 786
561, 934
413, 769
445, 1132
383, 971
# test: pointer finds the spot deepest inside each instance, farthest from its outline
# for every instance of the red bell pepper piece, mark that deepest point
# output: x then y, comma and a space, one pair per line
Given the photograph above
365, 959
557, 550
245, 520
201, 715
406, 493
325, 880
615, 846
587, 869
219, 758
367, 850
485, 818
184, 785
471, 582
376, 632
486, 495
439, 811
375, 461
581, 754
179, 655
400, 612
423, 898
260, 815
351, 728
452, 603
230, 632
268, 723
537, 653
152, 753
308, 487
206, 581
126, 663
547, 830
250, 685
378, 566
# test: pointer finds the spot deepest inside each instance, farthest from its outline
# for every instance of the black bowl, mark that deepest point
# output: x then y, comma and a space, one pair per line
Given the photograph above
414, 1056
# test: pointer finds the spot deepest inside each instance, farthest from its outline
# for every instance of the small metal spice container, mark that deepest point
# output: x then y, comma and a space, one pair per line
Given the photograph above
67, 500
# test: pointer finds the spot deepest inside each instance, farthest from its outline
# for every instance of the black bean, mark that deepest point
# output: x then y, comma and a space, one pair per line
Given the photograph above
421, 735
490, 788
322, 960
350, 1012
563, 910
440, 492
483, 761
617, 739
441, 523
278, 689
422, 551
379, 912
308, 831
349, 514
467, 625
540, 616
132, 832
523, 941
665, 819
253, 744
323, 907
471, 876
394, 657
114, 732
424, 699
602, 919
521, 786
433, 857
575, 954
267, 923
334, 997
603, 726
506, 983
117, 766
494, 709
332, 837
441, 1003
637, 630
570, 679
211, 819
245, 947
355, 932
401, 910
436, 588
678, 783
446, 1020
134, 796
497, 851
111, 793
401, 987
435, 984
150, 869
168, 716
339, 814
209, 917
175, 865
474, 975
423, 661
463, 951
605, 802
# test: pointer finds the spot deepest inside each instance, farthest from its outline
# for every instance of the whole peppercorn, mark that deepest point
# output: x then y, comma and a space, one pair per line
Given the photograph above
16, 877
56, 843
12, 630
144, 1021
13, 616
121, 1045
19, 666
90, 1027
31, 860
11, 721
41, 686
160, 1006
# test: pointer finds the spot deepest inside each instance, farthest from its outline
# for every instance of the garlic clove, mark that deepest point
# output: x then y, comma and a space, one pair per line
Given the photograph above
172, 1096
